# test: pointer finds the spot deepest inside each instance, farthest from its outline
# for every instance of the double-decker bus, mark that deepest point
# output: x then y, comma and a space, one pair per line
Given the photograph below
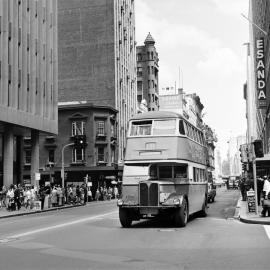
165, 169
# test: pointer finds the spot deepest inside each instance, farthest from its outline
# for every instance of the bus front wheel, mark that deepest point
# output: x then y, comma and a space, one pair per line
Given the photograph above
181, 215
125, 218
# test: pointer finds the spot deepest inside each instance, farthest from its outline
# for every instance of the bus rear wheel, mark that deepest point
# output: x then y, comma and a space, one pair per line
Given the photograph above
181, 215
125, 218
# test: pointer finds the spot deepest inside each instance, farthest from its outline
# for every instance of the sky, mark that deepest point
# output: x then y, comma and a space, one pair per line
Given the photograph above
204, 39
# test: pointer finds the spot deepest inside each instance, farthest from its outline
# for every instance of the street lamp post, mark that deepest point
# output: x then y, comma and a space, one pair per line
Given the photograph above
63, 161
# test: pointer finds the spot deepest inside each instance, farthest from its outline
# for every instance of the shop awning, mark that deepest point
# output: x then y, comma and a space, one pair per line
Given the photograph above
264, 161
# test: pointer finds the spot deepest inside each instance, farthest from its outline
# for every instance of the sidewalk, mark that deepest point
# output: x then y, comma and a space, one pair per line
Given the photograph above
243, 215
22, 212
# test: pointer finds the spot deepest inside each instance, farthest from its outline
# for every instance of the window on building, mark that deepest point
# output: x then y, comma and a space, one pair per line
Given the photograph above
139, 57
148, 55
113, 131
139, 85
78, 128
100, 127
149, 69
152, 55
27, 157
78, 155
101, 154
112, 155
152, 70
139, 71
51, 155
139, 98
149, 84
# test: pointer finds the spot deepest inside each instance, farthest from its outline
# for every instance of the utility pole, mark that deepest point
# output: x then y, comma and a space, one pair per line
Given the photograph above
63, 161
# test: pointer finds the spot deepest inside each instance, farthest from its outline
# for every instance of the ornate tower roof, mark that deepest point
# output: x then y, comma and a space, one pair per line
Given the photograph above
149, 39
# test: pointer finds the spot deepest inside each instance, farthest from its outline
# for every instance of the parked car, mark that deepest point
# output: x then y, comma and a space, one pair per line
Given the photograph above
218, 182
211, 194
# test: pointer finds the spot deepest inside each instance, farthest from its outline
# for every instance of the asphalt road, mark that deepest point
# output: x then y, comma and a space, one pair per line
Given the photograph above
90, 237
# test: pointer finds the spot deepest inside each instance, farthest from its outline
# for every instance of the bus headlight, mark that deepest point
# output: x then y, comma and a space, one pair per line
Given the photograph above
120, 202
163, 196
176, 201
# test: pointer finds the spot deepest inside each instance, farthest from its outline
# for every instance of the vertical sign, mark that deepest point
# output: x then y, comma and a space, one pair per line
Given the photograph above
260, 73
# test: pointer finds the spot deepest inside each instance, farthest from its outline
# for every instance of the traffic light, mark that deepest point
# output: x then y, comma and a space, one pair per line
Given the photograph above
243, 153
258, 148
79, 141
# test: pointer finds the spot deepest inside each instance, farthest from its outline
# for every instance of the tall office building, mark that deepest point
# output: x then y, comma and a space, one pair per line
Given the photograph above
28, 81
97, 57
147, 73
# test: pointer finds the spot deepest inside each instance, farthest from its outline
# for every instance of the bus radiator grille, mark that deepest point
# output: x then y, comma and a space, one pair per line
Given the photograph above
148, 194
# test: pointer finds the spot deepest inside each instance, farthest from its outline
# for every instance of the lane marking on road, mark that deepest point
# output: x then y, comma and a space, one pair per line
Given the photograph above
82, 220
267, 230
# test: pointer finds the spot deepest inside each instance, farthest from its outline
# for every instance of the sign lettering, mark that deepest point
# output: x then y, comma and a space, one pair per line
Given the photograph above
260, 71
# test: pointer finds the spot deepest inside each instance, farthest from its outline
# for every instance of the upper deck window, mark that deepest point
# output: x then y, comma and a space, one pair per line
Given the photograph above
181, 127
164, 127
141, 128
153, 127
136, 170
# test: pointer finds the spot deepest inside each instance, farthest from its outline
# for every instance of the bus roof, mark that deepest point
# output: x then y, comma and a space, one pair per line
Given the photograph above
156, 115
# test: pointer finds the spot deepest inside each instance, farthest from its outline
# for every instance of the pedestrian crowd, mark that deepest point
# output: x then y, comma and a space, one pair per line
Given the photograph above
15, 197
263, 192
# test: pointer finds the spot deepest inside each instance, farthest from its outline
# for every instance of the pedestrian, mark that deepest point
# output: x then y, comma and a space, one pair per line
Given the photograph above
4, 196
54, 196
242, 188
115, 192
10, 197
89, 194
42, 193
78, 194
27, 197
17, 199
260, 183
85, 193
266, 197
97, 195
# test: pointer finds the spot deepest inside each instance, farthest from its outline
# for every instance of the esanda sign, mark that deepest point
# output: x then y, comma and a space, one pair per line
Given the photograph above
260, 73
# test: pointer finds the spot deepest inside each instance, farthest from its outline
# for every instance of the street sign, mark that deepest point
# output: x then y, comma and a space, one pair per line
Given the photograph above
251, 202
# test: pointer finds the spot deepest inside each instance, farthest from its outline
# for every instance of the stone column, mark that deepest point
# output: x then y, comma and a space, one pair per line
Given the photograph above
8, 156
34, 156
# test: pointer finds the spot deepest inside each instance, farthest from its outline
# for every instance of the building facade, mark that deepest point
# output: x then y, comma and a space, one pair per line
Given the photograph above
97, 57
257, 92
28, 81
233, 154
147, 74
169, 100
97, 160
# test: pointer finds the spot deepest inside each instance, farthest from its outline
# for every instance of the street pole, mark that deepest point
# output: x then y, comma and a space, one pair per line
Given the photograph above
63, 167
255, 178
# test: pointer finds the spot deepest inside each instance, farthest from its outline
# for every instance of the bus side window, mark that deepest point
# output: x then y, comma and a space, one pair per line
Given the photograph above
181, 127
190, 131
194, 174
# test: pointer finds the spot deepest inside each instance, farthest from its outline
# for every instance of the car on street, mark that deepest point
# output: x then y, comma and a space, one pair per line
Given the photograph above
211, 194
